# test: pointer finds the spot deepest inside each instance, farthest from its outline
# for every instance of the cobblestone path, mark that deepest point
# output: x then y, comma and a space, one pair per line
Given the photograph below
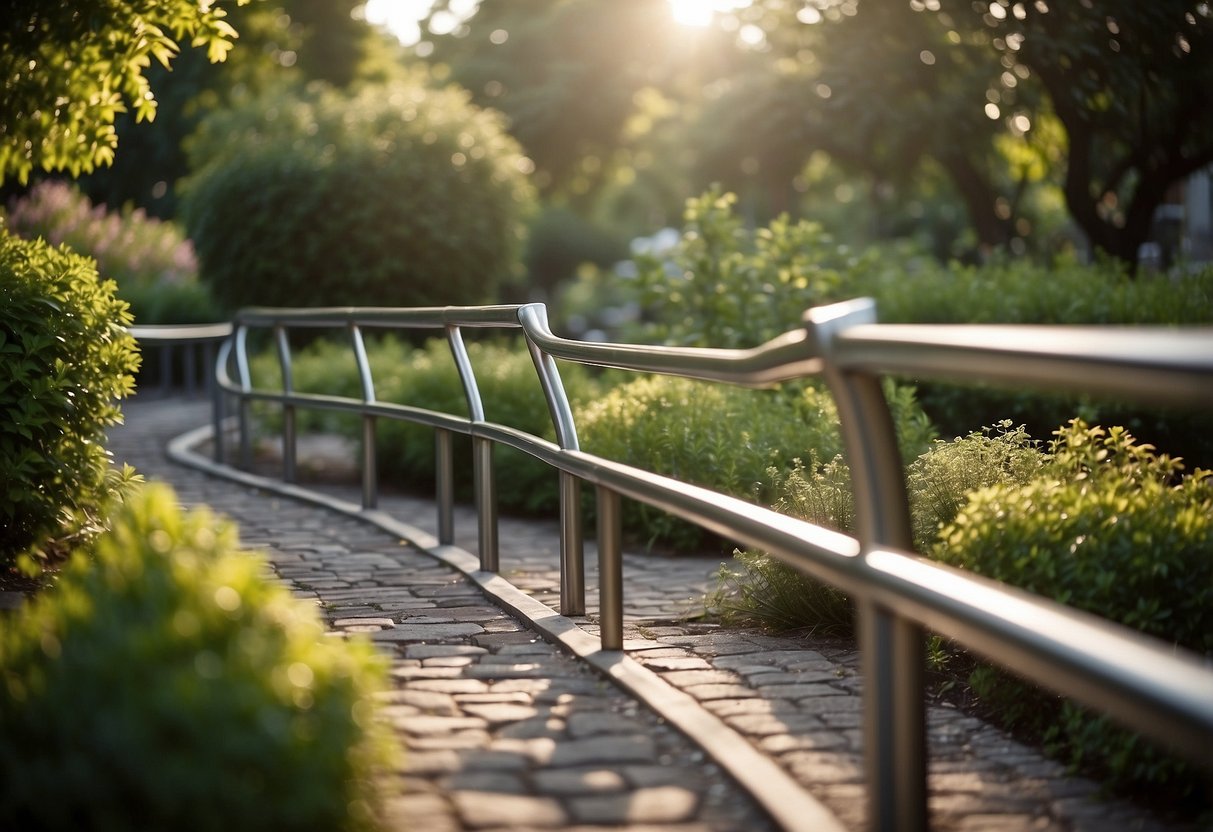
505, 730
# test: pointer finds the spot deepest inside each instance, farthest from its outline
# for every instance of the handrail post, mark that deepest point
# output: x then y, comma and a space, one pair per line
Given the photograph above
483, 478
534, 320
610, 569
444, 484
246, 385
370, 475
486, 502
891, 648
572, 551
289, 437
219, 396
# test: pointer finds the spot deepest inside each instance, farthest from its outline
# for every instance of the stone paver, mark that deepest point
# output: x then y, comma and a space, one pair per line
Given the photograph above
506, 732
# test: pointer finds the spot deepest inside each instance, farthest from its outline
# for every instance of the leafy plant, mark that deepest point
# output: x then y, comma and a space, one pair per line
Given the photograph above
66, 359
765, 590
1110, 527
214, 701
150, 259
737, 441
725, 287
400, 195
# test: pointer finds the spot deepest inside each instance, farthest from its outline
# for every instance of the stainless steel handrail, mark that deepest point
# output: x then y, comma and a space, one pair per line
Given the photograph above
1160, 691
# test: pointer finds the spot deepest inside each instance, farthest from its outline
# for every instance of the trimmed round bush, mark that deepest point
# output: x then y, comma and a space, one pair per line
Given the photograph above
164, 683
401, 195
64, 361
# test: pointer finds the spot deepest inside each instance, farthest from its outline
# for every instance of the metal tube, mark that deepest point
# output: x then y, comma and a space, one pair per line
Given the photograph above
290, 442
610, 570
486, 502
246, 385
572, 551
895, 742
370, 477
444, 485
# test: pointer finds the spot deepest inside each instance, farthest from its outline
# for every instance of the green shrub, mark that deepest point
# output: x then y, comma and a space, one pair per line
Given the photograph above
723, 286
1112, 528
404, 195
210, 698
426, 377
730, 439
560, 242
150, 259
64, 360
1018, 292
764, 590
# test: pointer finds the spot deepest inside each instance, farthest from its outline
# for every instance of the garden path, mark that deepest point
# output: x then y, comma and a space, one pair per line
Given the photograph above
506, 730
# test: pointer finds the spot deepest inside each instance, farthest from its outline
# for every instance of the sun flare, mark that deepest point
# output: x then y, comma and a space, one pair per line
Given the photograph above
702, 12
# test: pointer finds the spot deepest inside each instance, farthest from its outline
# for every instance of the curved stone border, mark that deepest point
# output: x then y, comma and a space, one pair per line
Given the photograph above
766, 781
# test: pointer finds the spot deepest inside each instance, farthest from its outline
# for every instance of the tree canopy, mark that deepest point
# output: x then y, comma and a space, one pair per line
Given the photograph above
69, 69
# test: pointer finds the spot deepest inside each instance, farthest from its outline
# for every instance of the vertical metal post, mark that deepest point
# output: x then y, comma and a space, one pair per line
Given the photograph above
572, 554
893, 652
486, 502
219, 396
289, 435
610, 569
370, 474
191, 369
534, 320
444, 484
166, 367
246, 386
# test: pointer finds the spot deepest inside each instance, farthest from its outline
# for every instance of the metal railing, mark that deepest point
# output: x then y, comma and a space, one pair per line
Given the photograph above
1158, 690
196, 344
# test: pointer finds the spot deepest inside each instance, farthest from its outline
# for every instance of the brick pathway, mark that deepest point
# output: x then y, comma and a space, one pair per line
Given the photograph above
505, 730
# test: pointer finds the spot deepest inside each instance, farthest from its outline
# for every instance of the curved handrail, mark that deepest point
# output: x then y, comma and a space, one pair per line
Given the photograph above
1162, 692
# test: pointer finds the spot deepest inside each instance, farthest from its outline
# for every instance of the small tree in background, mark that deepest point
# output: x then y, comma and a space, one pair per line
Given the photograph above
400, 195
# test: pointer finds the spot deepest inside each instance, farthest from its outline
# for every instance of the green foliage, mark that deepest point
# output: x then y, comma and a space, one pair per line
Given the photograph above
213, 699
426, 377
725, 287
938, 480
400, 195
733, 440
64, 360
1112, 528
68, 71
560, 242
150, 260
1103, 527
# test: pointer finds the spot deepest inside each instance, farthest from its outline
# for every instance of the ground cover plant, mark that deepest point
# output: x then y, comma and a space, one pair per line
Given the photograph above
66, 360
213, 699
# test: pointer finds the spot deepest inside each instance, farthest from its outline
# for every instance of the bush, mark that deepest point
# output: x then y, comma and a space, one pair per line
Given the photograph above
150, 259
1018, 292
729, 439
426, 377
404, 195
560, 242
64, 360
764, 590
213, 701
1109, 527
725, 287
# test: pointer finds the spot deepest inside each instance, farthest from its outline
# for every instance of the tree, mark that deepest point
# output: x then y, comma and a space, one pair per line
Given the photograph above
70, 68
1132, 84
281, 41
